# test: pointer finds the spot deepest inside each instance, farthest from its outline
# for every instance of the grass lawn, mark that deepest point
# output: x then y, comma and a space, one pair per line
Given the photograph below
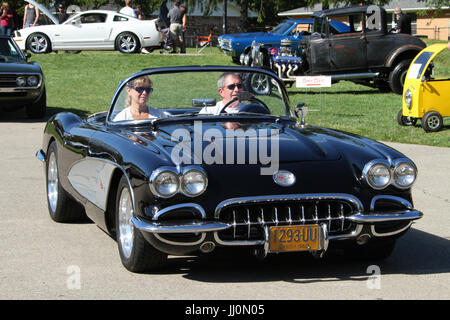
84, 83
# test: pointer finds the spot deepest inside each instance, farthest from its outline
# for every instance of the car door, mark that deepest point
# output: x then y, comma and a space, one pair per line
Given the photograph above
348, 50
88, 30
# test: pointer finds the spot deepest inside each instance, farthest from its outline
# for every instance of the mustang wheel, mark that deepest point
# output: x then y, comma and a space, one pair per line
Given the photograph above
398, 75
60, 206
38, 43
127, 43
432, 121
258, 84
405, 121
136, 253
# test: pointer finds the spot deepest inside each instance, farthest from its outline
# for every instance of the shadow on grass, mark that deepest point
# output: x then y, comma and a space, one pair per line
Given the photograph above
19, 114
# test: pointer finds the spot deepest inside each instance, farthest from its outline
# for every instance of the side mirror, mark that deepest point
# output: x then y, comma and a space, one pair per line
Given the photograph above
27, 55
301, 109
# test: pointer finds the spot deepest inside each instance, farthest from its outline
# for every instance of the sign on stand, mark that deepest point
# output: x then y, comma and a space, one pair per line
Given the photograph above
314, 82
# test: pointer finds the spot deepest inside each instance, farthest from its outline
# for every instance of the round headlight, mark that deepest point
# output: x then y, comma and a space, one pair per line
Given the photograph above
33, 81
408, 98
194, 183
165, 184
404, 175
21, 81
378, 175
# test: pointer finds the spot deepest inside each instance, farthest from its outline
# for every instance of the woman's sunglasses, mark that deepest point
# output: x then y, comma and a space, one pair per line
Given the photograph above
142, 89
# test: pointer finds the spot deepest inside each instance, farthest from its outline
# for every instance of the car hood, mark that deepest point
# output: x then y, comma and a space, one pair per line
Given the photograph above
285, 143
44, 10
12, 65
250, 36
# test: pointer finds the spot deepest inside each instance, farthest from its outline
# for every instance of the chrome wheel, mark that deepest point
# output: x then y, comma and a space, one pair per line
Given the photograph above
259, 84
126, 232
433, 122
127, 43
38, 43
52, 182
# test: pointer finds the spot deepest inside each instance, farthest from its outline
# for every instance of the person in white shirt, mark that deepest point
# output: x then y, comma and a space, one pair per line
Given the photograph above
128, 9
229, 87
136, 108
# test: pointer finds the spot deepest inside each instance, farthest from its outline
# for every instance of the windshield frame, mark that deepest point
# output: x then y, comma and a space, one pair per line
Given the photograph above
167, 70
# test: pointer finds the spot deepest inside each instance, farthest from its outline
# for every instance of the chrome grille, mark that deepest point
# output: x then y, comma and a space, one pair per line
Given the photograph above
8, 80
248, 219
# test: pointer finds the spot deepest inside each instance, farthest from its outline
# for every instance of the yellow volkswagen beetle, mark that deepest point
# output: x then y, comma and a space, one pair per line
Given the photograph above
425, 97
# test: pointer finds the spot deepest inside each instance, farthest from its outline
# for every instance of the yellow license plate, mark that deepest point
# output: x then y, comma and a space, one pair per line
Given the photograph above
294, 238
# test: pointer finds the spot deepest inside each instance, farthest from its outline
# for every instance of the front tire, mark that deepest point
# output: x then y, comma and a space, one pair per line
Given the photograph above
136, 253
127, 42
405, 121
432, 121
60, 206
398, 75
39, 43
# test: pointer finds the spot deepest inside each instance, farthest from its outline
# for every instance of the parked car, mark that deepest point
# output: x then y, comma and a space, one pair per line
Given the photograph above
237, 44
367, 53
188, 181
90, 30
21, 82
425, 97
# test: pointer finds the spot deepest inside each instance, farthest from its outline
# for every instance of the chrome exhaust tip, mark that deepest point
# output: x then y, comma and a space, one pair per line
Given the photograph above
207, 247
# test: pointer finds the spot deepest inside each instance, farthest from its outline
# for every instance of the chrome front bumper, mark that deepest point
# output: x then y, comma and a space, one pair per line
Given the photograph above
201, 225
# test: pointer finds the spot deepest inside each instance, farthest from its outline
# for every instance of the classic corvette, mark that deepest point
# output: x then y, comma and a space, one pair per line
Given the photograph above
187, 160
21, 81
89, 30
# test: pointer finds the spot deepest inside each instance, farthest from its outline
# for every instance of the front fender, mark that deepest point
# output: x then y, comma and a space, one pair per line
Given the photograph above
409, 51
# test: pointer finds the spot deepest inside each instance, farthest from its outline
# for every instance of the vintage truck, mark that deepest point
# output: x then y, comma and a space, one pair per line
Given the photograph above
367, 54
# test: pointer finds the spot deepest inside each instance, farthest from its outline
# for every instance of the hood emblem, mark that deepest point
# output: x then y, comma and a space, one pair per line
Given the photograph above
284, 178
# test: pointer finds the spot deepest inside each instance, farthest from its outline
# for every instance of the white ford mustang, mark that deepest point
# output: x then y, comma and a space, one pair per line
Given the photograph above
90, 30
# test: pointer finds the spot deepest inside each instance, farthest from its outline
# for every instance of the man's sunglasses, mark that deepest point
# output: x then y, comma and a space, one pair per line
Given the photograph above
142, 89
232, 86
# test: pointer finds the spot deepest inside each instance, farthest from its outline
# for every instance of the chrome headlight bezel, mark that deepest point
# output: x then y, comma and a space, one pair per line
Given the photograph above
398, 173
200, 179
373, 171
389, 173
179, 177
156, 179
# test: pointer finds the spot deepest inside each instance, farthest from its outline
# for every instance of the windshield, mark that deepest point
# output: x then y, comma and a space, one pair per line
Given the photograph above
419, 65
149, 96
282, 28
9, 51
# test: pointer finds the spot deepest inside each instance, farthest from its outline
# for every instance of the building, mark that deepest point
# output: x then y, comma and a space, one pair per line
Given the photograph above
425, 22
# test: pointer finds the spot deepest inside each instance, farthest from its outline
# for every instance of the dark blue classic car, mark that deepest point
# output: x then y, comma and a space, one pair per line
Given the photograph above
21, 82
237, 44
211, 165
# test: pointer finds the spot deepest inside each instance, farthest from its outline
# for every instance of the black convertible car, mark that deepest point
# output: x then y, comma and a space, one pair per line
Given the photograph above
186, 159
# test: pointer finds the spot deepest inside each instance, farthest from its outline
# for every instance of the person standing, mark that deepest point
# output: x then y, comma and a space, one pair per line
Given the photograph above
403, 22
183, 7
61, 14
175, 16
6, 19
30, 16
128, 9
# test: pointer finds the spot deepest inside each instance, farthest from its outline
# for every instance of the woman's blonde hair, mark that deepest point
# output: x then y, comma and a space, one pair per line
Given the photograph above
141, 81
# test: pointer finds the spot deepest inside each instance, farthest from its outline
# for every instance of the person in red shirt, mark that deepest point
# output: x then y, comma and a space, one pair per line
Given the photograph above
6, 19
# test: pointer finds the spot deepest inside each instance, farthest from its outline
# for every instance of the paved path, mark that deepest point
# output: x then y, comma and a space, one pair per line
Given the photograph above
45, 260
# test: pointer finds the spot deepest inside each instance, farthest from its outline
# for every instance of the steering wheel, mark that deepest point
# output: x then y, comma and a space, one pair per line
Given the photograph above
256, 106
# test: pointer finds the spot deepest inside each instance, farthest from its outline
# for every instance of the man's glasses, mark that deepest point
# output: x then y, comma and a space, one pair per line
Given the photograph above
232, 86
142, 89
